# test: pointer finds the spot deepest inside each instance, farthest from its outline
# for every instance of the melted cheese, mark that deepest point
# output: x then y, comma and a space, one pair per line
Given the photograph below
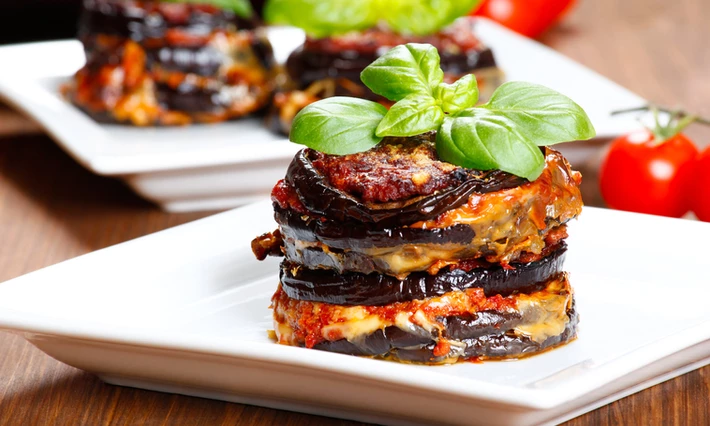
544, 315
359, 325
284, 333
543, 319
504, 224
401, 260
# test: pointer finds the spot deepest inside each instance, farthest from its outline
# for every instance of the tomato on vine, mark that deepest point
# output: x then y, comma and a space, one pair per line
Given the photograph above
651, 171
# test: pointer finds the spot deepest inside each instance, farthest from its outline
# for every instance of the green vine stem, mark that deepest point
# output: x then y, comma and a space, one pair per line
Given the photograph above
677, 122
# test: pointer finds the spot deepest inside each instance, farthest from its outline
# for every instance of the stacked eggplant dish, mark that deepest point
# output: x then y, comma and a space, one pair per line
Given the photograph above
165, 63
431, 232
331, 66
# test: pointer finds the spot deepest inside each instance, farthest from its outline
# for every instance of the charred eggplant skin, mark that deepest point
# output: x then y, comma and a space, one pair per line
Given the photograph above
321, 199
146, 19
351, 288
482, 323
306, 66
390, 343
351, 234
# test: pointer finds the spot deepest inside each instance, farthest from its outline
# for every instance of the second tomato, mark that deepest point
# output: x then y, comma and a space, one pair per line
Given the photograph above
700, 195
527, 17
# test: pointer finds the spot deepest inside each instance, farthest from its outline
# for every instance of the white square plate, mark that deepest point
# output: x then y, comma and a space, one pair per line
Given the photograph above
223, 165
186, 310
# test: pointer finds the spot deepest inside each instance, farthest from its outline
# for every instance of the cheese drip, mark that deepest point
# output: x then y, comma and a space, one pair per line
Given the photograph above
544, 314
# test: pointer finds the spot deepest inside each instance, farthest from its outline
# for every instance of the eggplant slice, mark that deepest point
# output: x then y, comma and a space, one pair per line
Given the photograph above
484, 341
491, 346
358, 235
320, 198
351, 288
485, 335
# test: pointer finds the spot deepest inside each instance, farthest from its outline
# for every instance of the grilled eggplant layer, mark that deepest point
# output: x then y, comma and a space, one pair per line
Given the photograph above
351, 288
456, 325
320, 198
415, 257
394, 345
499, 218
315, 194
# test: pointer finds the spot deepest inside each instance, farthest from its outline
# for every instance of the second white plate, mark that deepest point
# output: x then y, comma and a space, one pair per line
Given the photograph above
220, 166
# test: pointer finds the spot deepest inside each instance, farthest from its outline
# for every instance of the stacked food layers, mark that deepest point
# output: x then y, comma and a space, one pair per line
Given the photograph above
394, 253
153, 63
331, 66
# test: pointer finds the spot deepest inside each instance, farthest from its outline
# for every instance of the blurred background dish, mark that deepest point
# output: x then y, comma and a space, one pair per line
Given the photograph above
209, 167
331, 66
163, 63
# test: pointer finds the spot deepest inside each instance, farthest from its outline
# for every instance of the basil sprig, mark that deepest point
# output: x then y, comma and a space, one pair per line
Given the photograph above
323, 18
339, 125
505, 133
239, 7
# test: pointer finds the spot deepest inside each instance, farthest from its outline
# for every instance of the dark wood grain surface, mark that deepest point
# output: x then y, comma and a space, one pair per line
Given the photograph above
51, 210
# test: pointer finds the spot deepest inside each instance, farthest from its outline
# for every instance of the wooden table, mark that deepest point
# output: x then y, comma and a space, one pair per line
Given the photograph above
51, 210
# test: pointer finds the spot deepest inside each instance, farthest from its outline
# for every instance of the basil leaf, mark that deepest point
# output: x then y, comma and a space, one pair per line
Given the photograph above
323, 18
413, 115
448, 150
461, 95
404, 70
338, 125
418, 17
545, 116
483, 140
423, 17
459, 8
239, 7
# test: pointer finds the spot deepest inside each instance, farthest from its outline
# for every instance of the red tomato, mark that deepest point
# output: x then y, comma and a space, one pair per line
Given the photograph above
527, 17
640, 175
700, 196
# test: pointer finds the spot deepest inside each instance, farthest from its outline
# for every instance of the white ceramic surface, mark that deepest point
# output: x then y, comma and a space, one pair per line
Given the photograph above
223, 165
186, 310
